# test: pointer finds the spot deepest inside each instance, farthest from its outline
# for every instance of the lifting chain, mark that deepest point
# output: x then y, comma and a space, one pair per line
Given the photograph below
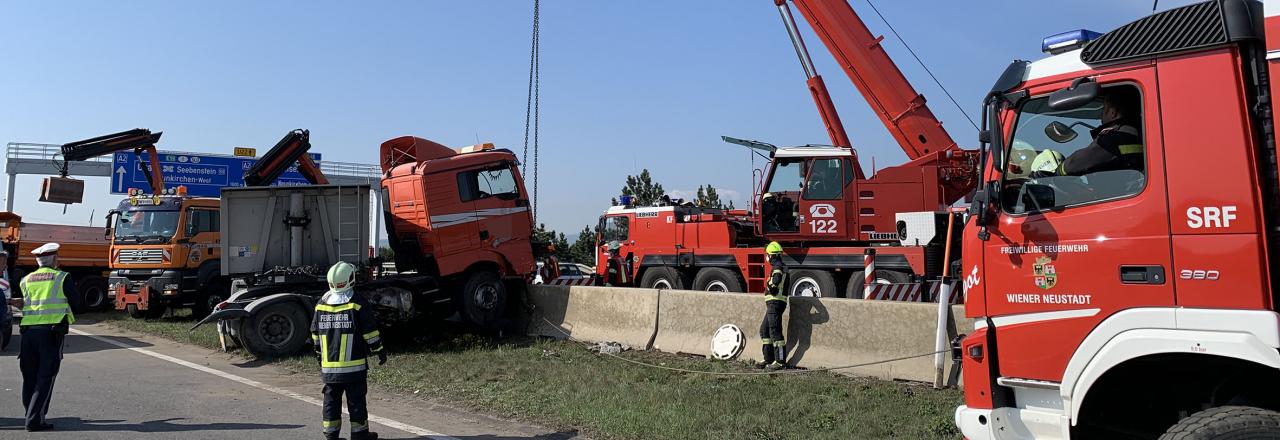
531, 110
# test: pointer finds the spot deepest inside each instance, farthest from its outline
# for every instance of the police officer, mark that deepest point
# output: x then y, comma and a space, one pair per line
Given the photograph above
344, 332
46, 316
775, 304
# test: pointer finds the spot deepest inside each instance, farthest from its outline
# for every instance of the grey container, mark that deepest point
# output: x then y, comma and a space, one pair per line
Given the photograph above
265, 228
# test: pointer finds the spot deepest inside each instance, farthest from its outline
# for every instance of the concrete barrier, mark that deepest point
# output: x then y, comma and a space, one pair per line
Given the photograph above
820, 332
595, 314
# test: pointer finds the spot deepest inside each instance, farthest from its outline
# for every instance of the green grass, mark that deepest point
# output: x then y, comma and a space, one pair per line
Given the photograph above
563, 385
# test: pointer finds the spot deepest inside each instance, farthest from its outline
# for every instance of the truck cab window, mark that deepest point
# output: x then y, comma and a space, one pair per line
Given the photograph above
825, 180
493, 182
778, 207
202, 220
1061, 158
614, 229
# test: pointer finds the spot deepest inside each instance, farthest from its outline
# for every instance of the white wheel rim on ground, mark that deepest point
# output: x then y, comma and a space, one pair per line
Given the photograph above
806, 287
717, 286
727, 342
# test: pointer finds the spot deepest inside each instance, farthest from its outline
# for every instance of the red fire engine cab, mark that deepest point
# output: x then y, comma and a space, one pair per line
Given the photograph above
1133, 296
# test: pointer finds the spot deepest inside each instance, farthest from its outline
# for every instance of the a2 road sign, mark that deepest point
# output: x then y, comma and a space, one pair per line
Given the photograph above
203, 174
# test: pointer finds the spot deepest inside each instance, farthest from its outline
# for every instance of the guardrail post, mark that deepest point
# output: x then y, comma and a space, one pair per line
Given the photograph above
942, 340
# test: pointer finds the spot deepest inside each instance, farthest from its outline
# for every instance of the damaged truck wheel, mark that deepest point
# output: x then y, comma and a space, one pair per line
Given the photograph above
280, 329
484, 298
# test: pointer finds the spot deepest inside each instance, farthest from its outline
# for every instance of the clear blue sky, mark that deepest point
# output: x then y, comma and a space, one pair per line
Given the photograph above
625, 85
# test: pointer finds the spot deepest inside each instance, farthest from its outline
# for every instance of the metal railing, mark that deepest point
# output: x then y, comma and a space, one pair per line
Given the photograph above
50, 152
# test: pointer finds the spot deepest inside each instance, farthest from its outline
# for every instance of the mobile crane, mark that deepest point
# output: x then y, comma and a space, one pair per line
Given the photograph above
1138, 299
815, 200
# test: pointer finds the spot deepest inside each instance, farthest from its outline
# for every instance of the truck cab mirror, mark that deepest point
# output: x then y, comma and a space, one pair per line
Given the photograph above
1081, 91
1038, 197
1059, 132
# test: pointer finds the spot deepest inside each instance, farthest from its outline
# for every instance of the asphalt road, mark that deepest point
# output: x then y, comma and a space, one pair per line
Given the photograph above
120, 385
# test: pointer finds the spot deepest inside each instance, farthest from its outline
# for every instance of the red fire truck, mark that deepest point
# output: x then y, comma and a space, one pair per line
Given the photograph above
815, 200
1138, 299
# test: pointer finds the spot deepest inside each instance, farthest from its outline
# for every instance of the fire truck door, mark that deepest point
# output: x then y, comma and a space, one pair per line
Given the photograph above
821, 201
1068, 251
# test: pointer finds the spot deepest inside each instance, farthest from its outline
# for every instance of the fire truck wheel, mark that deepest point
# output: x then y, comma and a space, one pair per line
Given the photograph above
717, 279
812, 283
484, 298
278, 330
1226, 423
857, 281
93, 290
663, 278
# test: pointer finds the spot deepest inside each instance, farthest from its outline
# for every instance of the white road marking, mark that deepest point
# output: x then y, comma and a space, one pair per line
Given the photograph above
253, 383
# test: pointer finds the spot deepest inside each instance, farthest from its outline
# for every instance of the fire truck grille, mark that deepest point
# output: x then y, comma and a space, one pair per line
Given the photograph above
141, 256
1180, 29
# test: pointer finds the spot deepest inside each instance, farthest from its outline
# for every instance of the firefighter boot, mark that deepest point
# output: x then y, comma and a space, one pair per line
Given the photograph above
331, 436
767, 350
779, 358
364, 435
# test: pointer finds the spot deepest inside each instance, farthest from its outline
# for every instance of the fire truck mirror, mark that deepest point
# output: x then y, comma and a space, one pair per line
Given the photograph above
1037, 197
1081, 91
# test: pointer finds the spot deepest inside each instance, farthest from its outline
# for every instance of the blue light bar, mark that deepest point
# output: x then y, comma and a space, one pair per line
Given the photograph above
1067, 41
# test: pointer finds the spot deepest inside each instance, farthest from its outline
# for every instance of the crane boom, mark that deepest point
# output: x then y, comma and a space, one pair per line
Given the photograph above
901, 109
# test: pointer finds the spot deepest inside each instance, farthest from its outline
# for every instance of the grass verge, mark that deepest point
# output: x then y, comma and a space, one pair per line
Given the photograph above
561, 384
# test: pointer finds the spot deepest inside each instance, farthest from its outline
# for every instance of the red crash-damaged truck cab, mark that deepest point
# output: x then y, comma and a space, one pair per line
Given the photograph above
455, 213
1133, 296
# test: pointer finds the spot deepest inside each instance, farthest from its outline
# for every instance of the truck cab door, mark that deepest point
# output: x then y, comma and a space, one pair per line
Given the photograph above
822, 208
200, 236
500, 206
1068, 251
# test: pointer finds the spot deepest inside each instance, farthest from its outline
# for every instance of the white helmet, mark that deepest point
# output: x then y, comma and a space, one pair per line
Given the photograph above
342, 276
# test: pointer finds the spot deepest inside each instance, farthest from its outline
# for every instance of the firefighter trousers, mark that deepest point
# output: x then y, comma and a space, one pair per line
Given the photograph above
355, 392
39, 359
771, 326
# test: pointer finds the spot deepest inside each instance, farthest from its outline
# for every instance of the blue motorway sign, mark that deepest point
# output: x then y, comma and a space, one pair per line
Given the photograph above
202, 174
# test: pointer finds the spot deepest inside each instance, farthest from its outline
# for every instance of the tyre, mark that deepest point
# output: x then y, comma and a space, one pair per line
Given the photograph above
1227, 423
811, 283
156, 311
857, 281
94, 294
214, 293
717, 279
280, 329
133, 311
484, 298
663, 278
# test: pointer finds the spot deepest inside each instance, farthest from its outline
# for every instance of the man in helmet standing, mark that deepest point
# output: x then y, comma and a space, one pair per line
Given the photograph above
775, 304
344, 332
49, 295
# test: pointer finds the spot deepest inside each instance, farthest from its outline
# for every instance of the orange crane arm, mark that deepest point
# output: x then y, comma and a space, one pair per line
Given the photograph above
901, 109
139, 140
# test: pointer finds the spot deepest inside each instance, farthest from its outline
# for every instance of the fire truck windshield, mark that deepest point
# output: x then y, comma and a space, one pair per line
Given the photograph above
146, 226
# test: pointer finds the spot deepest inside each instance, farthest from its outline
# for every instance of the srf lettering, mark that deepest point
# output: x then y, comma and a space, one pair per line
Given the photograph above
1210, 216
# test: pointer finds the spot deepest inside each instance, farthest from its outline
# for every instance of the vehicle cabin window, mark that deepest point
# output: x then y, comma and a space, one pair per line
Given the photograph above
826, 180
202, 220
491, 182
1061, 158
614, 229
568, 270
778, 209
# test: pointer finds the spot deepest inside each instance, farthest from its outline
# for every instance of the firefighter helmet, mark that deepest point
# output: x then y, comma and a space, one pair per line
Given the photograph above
341, 276
773, 248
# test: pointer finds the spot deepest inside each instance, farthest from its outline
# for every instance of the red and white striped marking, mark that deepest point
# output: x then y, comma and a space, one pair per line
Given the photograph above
868, 272
562, 281
912, 292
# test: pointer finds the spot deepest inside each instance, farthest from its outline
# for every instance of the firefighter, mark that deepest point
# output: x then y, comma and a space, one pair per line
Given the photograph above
775, 304
1117, 143
616, 266
344, 332
46, 318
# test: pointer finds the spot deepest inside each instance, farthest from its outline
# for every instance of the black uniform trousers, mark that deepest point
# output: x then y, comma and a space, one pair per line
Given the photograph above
771, 326
356, 406
40, 358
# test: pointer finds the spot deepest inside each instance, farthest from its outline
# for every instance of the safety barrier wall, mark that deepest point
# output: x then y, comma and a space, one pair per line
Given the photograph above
595, 314
820, 332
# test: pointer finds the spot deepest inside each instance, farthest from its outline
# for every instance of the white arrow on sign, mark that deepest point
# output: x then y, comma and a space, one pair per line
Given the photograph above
120, 182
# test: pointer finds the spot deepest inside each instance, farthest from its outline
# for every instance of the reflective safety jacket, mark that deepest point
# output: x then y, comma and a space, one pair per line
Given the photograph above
344, 335
45, 301
777, 284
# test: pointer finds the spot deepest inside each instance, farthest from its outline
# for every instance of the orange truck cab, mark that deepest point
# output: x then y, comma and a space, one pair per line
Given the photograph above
1132, 296
165, 254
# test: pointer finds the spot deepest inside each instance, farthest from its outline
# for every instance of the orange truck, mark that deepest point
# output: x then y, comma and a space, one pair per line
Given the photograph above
84, 254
